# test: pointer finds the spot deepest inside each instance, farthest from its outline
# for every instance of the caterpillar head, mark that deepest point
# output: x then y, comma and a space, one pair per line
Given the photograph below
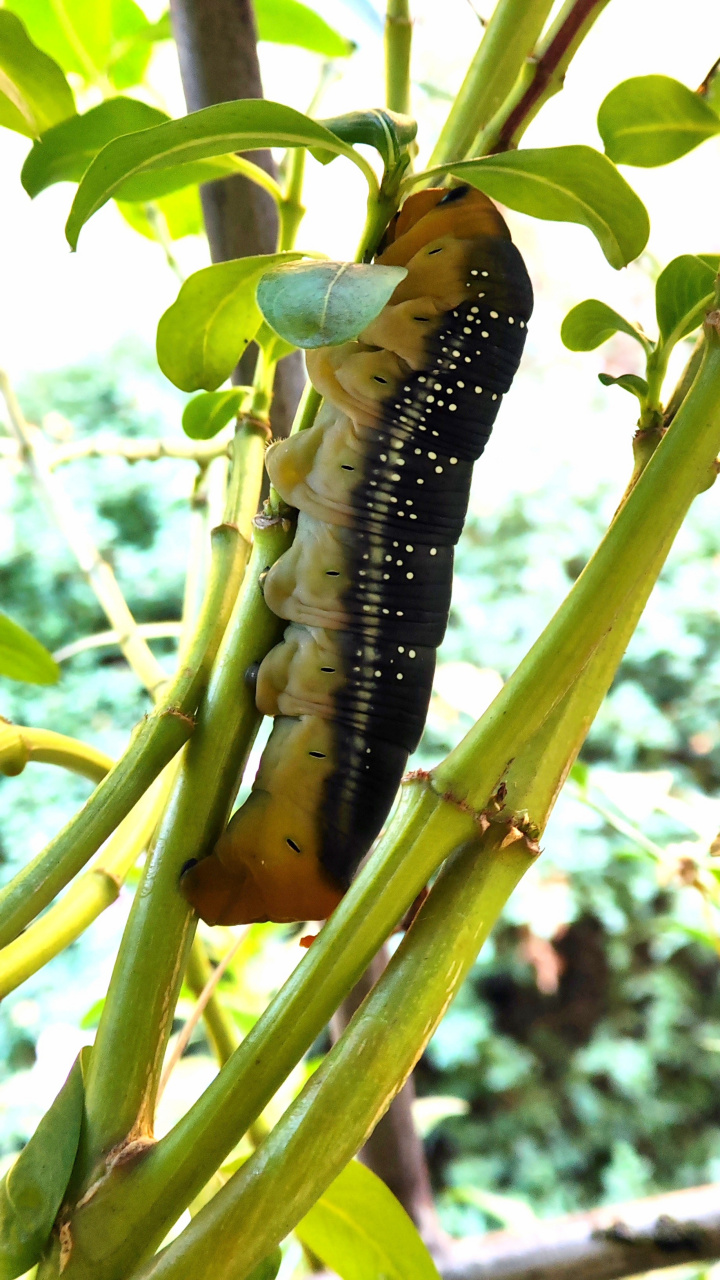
462, 213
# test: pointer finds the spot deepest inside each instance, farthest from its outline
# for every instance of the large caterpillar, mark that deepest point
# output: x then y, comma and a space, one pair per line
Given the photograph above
381, 483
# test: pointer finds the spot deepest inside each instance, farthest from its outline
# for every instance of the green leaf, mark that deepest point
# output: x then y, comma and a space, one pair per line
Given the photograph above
387, 131
289, 22
32, 1190
322, 304
215, 131
201, 337
181, 210
358, 1229
64, 152
591, 323
76, 33
133, 39
34, 94
22, 657
683, 293
629, 382
567, 184
208, 413
652, 120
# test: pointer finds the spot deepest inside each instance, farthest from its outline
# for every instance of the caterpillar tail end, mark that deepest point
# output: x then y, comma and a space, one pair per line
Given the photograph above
253, 877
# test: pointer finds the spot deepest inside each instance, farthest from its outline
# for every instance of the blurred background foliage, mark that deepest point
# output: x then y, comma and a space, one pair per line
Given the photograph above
581, 1063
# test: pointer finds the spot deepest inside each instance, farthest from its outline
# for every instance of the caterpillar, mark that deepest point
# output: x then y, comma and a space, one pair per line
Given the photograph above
381, 483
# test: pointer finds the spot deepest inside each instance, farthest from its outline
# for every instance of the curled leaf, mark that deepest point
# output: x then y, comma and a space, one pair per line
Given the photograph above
683, 293
321, 304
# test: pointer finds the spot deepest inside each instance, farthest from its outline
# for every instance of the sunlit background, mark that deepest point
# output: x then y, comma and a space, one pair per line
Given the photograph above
580, 1064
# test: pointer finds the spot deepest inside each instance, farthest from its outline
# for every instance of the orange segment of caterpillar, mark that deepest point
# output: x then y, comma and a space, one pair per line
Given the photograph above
381, 483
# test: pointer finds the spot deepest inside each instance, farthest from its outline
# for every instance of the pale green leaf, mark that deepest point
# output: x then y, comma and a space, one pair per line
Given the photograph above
34, 94
359, 1230
591, 323
64, 152
209, 412
683, 293
215, 131
201, 337
32, 1190
566, 184
22, 657
290, 22
652, 120
629, 382
321, 304
77, 34
181, 211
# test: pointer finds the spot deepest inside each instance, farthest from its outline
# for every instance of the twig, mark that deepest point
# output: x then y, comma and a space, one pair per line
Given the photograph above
551, 61
20, 745
206, 994
96, 570
605, 1244
139, 450
106, 639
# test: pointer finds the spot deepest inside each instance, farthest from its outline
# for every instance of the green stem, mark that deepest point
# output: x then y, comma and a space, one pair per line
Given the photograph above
84, 901
645, 526
398, 44
360, 1075
158, 222
508, 42
291, 208
155, 741
541, 78
137, 1017
20, 745
219, 1025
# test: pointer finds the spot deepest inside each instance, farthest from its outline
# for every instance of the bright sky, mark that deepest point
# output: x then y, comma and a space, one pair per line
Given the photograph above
59, 307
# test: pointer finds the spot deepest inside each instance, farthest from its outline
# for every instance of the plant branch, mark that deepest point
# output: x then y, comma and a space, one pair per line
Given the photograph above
108, 639
605, 1244
130, 1046
154, 742
398, 45
20, 745
507, 43
542, 78
96, 570
86, 899
203, 981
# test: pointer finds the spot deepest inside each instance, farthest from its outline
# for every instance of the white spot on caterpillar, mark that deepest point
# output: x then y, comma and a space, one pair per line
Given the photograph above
452, 408
399, 614
474, 310
413, 517
433, 551
401, 648
452, 464
432, 455
467, 329
409, 575
478, 391
420, 480
483, 273
409, 548
474, 272
511, 320
399, 675
430, 399
378, 673
494, 397
484, 334
411, 653
438, 470
493, 315
460, 384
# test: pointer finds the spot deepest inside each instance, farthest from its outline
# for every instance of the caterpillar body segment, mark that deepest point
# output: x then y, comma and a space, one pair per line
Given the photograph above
381, 483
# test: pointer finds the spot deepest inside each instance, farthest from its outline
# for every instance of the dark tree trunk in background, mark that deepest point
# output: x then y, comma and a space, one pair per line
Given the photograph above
217, 48
394, 1151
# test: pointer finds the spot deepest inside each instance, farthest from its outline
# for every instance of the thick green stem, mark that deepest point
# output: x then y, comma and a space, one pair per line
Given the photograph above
359, 1077
541, 78
398, 44
84, 901
155, 741
644, 527
508, 42
137, 1017
20, 745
